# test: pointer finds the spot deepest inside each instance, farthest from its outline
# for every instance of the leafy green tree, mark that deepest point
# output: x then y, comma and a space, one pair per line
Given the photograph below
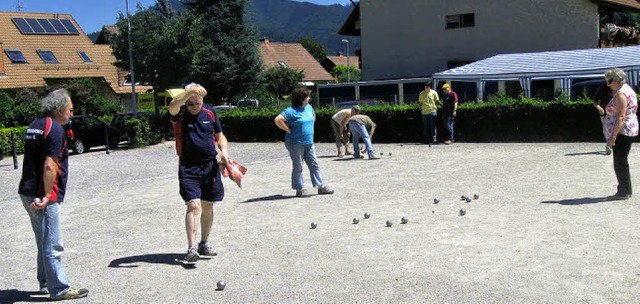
317, 50
222, 47
280, 81
343, 74
86, 100
154, 41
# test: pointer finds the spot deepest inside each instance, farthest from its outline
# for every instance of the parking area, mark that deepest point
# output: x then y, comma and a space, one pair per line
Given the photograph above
540, 231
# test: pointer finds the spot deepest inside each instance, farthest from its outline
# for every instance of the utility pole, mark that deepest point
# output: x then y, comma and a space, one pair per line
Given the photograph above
134, 103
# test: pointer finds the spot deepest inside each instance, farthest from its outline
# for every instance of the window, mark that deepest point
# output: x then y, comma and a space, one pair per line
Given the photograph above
47, 56
84, 56
462, 20
283, 64
15, 56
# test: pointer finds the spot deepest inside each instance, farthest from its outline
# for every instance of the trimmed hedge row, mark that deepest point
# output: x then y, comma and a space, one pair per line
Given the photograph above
505, 120
527, 120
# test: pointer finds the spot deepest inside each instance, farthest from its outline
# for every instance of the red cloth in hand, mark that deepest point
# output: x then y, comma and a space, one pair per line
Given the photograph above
234, 171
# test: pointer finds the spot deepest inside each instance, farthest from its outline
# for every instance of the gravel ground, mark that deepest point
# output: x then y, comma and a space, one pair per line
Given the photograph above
540, 232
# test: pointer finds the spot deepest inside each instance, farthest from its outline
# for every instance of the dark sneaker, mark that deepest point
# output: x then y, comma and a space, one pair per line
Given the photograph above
607, 150
73, 294
323, 190
192, 255
205, 250
302, 193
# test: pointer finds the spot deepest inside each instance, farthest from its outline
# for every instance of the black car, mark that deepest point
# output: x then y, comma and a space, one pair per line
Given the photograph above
88, 132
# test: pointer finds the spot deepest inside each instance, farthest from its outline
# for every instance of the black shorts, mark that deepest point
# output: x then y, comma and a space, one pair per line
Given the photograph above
200, 181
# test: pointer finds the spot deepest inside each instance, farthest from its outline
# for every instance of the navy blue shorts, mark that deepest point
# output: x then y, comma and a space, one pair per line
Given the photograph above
200, 181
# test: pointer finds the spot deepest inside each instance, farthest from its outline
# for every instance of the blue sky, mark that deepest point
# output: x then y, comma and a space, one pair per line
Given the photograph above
93, 14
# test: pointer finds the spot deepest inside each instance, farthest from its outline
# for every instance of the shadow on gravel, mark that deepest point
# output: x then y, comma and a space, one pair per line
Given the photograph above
14, 295
327, 156
586, 153
579, 201
156, 258
269, 198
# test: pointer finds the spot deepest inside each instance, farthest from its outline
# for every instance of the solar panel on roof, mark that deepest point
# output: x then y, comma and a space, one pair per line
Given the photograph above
22, 25
35, 25
70, 27
48, 28
58, 26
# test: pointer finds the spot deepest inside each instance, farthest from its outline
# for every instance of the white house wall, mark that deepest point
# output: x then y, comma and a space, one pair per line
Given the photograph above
407, 38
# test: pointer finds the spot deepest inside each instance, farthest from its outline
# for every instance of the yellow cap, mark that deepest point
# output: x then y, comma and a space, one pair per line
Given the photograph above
446, 85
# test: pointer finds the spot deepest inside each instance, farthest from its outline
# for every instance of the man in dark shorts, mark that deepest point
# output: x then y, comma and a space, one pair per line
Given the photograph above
197, 131
42, 189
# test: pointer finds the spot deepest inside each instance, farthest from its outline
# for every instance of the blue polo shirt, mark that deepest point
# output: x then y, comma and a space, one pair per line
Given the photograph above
195, 141
44, 137
300, 121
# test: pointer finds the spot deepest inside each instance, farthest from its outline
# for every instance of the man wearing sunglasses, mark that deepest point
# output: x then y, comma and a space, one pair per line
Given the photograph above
198, 131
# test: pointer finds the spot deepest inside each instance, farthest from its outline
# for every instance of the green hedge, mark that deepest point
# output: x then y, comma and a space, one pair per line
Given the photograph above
502, 120
5, 140
499, 120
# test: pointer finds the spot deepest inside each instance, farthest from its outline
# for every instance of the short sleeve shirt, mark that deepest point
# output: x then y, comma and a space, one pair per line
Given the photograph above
363, 120
448, 101
195, 141
338, 117
44, 137
300, 121
428, 101
630, 123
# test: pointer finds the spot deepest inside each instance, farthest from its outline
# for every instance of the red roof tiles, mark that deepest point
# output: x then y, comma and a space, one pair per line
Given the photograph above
296, 57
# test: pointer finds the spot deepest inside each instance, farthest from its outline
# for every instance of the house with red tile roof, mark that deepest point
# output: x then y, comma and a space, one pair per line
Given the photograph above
40, 49
294, 56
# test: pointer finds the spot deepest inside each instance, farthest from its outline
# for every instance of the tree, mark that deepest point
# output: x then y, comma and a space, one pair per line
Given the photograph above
281, 81
154, 43
222, 47
317, 50
343, 75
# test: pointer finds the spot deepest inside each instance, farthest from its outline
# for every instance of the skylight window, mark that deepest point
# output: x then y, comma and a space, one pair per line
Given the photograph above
47, 56
283, 64
15, 56
85, 57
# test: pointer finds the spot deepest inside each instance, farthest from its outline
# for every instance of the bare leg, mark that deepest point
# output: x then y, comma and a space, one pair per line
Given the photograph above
206, 220
191, 221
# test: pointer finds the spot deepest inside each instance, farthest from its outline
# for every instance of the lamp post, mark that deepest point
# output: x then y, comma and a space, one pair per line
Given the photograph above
348, 65
134, 103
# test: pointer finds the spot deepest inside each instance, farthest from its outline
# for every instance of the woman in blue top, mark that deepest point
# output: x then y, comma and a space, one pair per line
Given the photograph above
298, 121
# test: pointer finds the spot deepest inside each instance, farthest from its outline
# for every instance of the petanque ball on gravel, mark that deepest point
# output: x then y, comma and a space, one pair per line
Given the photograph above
463, 212
475, 196
221, 285
389, 224
356, 221
468, 200
314, 225
381, 153
404, 220
463, 198
435, 200
367, 215
389, 153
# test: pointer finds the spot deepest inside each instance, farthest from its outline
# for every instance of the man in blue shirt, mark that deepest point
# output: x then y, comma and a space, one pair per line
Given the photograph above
42, 189
198, 131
